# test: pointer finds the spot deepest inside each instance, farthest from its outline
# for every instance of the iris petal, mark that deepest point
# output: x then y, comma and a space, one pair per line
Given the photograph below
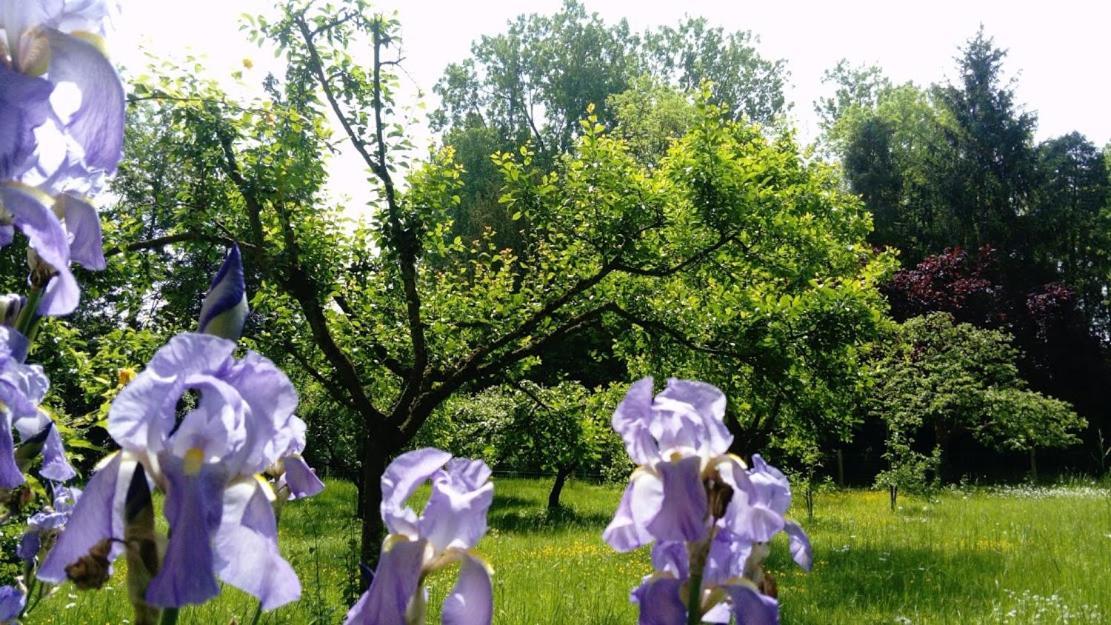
801, 551
400, 479
395, 584
24, 105
83, 225
751, 607
272, 400
10, 475
625, 533
97, 124
682, 512
455, 517
300, 478
247, 547
660, 602
671, 557
36, 219
94, 519
142, 415
708, 403
12, 601
54, 464
193, 509
632, 419
471, 601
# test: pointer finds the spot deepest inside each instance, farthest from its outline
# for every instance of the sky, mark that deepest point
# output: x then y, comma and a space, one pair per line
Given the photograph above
1057, 50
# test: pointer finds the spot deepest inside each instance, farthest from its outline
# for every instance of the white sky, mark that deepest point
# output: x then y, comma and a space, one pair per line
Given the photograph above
1057, 50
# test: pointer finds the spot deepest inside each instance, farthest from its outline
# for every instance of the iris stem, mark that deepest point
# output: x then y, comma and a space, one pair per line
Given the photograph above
169, 616
694, 599
30, 600
27, 315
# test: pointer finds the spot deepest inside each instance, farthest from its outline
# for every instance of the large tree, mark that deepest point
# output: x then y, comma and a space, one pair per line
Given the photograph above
392, 316
534, 82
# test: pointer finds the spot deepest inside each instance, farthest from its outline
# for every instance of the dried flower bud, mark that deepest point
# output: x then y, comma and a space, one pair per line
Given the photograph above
92, 570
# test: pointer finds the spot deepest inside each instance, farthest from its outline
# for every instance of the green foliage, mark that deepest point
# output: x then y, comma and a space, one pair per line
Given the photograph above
777, 319
941, 379
650, 117
535, 81
533, 429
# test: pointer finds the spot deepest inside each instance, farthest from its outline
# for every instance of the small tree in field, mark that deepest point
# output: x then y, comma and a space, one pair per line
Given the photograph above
555, 431
949, 378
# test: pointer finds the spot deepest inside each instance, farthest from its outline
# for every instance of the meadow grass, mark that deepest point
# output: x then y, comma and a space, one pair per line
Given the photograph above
1009, 556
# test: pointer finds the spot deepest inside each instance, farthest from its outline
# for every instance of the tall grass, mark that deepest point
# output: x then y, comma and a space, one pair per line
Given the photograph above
1011, 556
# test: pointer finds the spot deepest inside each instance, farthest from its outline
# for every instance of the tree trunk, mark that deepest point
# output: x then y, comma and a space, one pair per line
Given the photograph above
840, 468
1033, 465
894, 493
557, 488
370, 500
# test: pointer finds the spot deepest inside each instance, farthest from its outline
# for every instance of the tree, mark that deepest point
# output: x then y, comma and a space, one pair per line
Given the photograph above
395, 315
556, 430
1028, 420
533, 82
891, 154
989, 177
742, 82
650, 116
946, 379
1070, 231
859, 87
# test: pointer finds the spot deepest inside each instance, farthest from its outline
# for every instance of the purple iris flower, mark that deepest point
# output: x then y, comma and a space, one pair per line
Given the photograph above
24, 106
764, 516
453, 521
296, 479
90, 126
701, 506
676, 437
12, 600
22, 388
225, 307
31, 211
43, 527
236, 423
60, 230
663, 595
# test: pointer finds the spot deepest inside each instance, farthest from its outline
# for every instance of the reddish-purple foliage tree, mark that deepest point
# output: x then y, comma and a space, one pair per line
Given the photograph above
1061, 356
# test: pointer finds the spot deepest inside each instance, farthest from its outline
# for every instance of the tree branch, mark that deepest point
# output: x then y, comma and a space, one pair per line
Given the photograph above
395, 366
488, 372
651, 326
403, 239
170, 239
231, 167
334, 390
474, 359
663, 272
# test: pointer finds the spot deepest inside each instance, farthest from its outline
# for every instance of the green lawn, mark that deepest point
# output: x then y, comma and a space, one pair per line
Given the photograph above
1018, 556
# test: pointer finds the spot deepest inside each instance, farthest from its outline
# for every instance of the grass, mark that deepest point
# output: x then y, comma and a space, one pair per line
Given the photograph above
1004, 556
